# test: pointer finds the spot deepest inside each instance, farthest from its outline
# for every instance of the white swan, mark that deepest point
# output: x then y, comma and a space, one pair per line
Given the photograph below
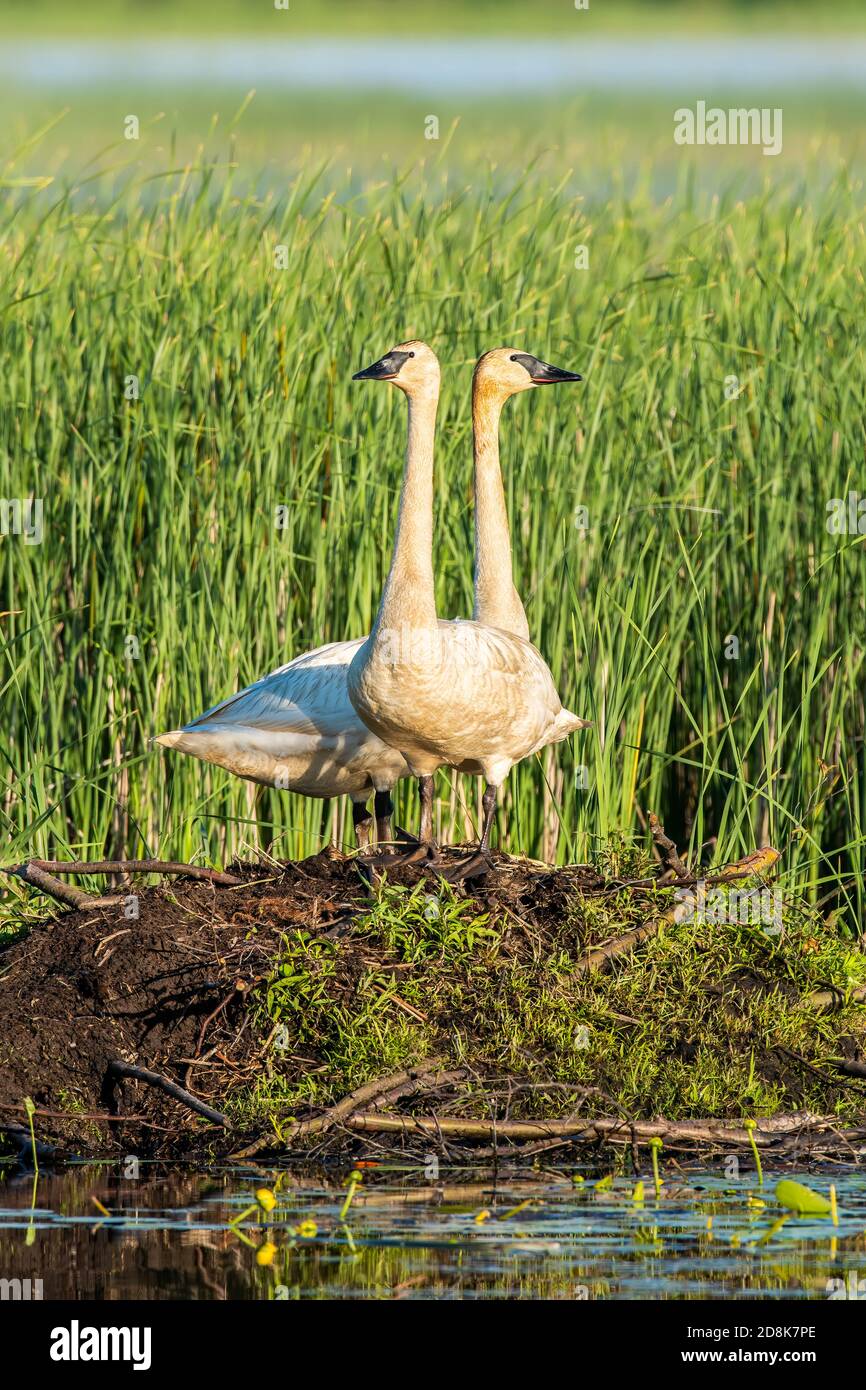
499, 374
462, 694
296, 728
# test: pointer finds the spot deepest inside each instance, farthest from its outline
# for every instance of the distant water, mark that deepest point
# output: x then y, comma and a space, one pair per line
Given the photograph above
421, 67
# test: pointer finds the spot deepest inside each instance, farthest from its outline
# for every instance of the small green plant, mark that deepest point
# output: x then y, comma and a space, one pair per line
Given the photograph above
801, 1199
354, 1182
429, 922
751, 1126
655, 1149
30, 1108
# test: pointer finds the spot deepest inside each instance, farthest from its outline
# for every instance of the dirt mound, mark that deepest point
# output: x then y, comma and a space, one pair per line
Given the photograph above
534, 995
170, 987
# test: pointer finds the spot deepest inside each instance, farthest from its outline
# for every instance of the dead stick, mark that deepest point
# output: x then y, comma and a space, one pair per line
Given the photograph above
598, 958
755, 863
34, 874
666, 848
826, 1001
419, 1084
83, 1115
137, 866
338, 1113
171, 1088
851, 1068
588, 1131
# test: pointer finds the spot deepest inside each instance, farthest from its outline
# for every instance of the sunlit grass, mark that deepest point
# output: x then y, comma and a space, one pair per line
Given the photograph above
163, 582
369, 17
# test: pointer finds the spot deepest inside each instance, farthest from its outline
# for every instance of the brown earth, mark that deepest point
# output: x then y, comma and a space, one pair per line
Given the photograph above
169, 992
178, 991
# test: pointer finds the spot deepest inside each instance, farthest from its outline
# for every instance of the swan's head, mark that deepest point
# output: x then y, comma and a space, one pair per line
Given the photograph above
505, 371
413, 367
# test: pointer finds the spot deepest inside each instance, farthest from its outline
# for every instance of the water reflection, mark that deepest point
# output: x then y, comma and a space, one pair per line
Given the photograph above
168, 1235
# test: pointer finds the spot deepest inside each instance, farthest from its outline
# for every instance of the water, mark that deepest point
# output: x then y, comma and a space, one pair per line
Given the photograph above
168, 1235
688, 67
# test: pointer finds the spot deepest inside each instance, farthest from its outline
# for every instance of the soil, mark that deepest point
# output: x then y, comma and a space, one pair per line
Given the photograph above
169, 989
179, 990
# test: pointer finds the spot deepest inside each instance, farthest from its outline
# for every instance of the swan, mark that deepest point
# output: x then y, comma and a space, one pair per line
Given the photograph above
466, 695
296, 728
499, 374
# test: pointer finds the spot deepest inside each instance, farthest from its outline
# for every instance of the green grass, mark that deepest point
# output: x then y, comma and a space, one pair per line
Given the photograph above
53, 18
705, 1019
596, 143
706, 515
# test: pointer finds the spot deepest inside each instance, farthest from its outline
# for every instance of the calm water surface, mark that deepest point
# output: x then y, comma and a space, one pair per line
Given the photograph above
690, 66
168, 1235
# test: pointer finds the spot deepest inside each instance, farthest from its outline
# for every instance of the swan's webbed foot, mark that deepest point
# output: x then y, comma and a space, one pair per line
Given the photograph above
416, 852
479, 863
474, 865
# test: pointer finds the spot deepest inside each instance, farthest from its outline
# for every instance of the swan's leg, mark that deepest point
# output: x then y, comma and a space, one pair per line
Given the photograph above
481, 861
417, 850
425, 791
363, 823
488, 809
384, 810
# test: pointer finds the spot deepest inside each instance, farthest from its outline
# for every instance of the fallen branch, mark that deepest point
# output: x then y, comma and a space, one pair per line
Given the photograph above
339, 1113
71, 1115
756, 863
33, 873
137, 866
766, 1132
153, 1078
830, 1001
600, 956
418, 1084
22, 1137
851, 1068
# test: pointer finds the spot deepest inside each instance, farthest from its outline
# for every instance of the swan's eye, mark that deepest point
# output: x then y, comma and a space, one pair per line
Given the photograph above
411, 354
513, 357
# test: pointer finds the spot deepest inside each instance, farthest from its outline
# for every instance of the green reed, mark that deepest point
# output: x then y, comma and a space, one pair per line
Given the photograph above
665, 515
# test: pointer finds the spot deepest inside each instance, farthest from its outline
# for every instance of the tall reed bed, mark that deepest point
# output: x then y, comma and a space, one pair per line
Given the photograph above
670, 514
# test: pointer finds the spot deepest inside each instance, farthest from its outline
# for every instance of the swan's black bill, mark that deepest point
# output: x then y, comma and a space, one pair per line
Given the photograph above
543, 373
385, 369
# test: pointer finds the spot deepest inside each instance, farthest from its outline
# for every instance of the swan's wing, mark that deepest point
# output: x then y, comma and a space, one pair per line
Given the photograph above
501, 653
525, 692
306, 696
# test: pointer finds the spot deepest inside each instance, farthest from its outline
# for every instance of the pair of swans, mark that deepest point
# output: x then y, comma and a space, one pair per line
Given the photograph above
352, 718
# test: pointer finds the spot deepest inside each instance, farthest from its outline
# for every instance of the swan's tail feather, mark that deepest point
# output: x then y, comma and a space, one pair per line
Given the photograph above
568, 723
173, 739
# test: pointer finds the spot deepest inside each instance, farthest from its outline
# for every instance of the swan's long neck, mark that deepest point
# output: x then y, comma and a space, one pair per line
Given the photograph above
497, 602
408, 599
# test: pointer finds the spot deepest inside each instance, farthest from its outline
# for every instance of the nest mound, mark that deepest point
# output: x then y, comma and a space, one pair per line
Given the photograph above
301, 1006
